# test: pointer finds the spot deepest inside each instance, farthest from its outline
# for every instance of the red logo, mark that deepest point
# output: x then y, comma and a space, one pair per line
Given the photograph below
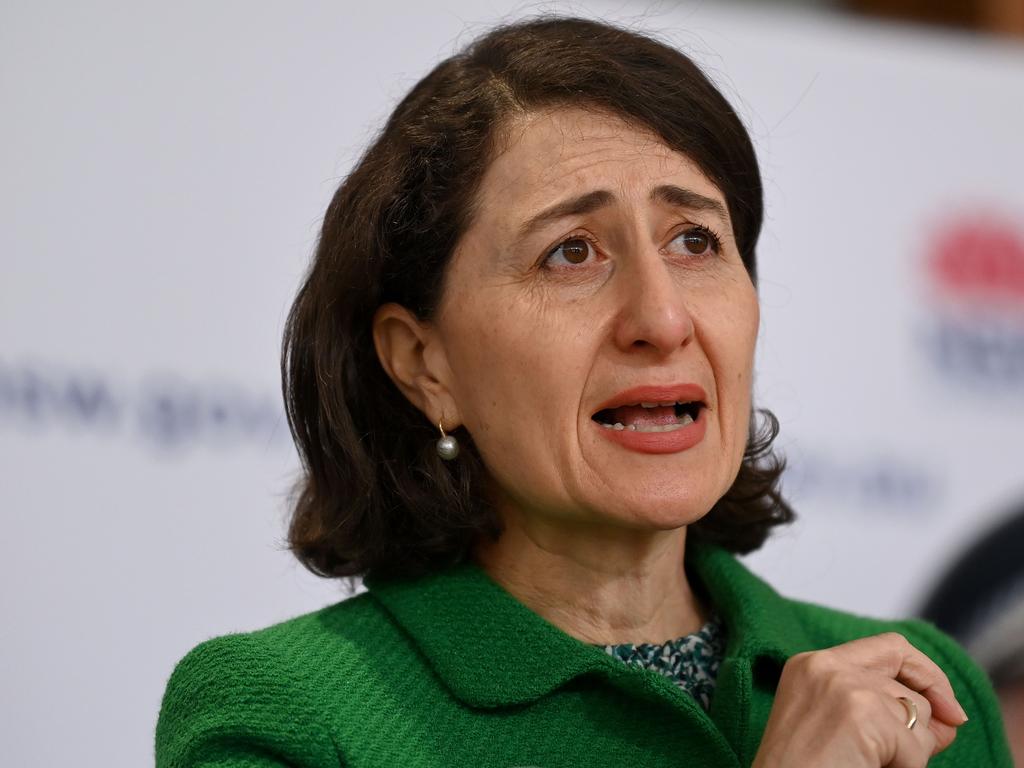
979, 258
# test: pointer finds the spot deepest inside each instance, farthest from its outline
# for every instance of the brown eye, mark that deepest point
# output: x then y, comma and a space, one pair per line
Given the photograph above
573, 251
698, 241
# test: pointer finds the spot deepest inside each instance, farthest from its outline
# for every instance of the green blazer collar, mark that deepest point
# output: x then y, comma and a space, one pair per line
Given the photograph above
491, 650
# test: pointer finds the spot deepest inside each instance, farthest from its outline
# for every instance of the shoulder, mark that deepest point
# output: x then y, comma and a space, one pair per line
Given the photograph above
263, 692
283, 652
983, 736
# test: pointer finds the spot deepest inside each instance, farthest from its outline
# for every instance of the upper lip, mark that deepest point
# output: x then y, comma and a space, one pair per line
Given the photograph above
656, 393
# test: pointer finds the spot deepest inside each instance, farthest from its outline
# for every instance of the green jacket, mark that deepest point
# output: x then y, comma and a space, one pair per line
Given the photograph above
451, 671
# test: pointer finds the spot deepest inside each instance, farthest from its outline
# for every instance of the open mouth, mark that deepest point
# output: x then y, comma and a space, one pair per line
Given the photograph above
650, 417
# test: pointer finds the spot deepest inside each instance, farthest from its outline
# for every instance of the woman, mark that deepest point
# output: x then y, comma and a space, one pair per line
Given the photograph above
519, 375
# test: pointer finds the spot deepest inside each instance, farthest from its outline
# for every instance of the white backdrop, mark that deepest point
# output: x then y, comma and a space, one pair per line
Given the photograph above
164, 171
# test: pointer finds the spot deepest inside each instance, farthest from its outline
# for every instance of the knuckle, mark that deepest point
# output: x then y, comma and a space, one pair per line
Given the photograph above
924, 708
858, 703
931, 742
819, 662
865, 701
798, 659
799, 664
948, 737
837, 686
896, 639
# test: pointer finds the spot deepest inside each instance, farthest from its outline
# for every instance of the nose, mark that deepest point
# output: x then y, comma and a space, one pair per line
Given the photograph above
654, 313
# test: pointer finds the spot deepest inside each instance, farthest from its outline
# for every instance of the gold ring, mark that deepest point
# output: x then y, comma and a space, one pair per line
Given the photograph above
911, 708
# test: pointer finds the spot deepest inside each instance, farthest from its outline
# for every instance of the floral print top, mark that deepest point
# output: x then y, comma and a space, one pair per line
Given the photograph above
690, 661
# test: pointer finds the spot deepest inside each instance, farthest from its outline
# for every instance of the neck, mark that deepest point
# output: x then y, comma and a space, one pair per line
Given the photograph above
599, 584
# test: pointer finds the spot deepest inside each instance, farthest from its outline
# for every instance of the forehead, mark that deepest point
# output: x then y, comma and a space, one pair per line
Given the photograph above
546, 155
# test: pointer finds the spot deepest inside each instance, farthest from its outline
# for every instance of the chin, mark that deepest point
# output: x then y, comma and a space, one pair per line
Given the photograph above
667, 508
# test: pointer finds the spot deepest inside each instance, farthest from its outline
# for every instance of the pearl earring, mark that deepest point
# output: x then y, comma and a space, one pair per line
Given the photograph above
447, 446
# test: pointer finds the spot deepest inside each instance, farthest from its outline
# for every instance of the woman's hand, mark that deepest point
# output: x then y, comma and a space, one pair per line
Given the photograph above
840, 707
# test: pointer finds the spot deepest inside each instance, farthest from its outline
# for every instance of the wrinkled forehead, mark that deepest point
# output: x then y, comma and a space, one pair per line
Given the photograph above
543, 156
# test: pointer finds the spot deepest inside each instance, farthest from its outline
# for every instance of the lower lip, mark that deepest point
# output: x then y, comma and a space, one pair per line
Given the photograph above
659, 442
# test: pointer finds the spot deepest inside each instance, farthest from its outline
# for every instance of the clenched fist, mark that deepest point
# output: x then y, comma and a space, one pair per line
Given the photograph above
840, 708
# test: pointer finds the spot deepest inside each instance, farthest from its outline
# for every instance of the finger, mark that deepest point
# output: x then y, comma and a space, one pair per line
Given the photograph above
892, 655
943, 733
911, 748
922, 710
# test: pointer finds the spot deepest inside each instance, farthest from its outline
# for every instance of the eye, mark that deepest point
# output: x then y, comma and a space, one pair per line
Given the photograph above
698, 241
574, 250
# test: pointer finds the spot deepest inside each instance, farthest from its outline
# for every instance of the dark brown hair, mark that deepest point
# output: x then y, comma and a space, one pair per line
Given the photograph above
374, 498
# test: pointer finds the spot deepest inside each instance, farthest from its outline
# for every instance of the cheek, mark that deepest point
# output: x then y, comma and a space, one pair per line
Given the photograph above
747, 324
512, 373
736, 321
517, 388
742, 317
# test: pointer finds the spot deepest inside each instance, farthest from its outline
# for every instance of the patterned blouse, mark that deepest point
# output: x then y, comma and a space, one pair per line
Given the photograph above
690, 661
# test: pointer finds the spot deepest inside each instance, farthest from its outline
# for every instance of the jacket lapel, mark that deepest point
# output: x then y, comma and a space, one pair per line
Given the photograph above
760, 622
763, 631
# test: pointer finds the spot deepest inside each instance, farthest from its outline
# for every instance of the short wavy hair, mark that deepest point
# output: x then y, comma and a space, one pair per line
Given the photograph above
374, 498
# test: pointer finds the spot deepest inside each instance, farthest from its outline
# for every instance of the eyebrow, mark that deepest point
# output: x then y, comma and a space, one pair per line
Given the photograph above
687, 198
577, 206
670, 194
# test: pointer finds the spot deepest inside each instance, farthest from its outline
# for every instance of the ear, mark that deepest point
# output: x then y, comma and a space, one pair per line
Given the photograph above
411, 354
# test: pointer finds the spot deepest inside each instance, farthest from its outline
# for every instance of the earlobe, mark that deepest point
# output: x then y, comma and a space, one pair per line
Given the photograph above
407, 350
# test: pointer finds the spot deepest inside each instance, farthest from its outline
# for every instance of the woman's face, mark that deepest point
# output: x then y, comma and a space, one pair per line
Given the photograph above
600, 276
